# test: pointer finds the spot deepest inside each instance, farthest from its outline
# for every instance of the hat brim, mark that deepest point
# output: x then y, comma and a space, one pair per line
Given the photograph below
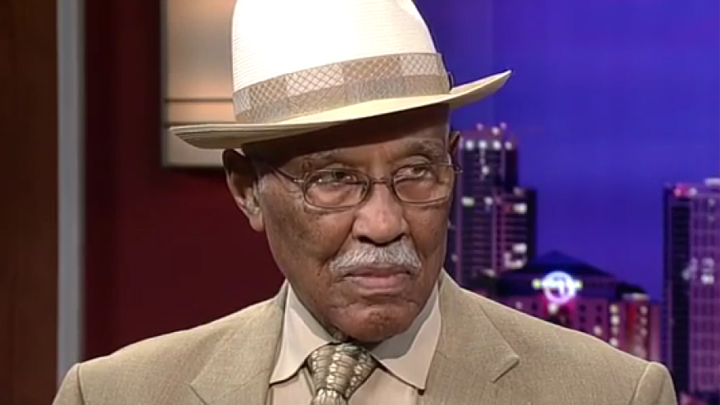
230, 136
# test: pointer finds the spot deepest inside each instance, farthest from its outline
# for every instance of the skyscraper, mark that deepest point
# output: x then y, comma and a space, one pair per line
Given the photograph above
691, 342
492, 223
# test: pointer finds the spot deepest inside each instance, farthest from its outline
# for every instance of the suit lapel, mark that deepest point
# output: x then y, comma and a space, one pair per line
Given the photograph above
469, 367
239, 370
472, 357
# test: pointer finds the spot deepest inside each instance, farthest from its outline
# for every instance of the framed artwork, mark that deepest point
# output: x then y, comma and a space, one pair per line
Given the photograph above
196, 75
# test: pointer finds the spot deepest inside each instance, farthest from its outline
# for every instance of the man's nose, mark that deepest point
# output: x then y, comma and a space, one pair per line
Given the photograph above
380, 219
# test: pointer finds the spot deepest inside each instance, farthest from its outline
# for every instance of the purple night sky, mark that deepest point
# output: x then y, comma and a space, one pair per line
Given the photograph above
609, 101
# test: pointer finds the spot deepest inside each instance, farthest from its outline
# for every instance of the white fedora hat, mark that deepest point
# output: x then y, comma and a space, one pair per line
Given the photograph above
301, 66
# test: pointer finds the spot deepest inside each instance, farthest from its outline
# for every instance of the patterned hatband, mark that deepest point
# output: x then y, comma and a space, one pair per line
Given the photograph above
340, 85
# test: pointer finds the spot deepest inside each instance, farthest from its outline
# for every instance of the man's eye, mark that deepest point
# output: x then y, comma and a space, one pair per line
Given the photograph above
414, 172
334, 177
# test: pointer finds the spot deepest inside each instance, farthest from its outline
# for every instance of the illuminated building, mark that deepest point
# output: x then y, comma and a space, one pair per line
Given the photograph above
637, 315
691, 340
492, 223
576, 295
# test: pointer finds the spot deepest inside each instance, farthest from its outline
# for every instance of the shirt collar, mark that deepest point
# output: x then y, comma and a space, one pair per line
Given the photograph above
407, 355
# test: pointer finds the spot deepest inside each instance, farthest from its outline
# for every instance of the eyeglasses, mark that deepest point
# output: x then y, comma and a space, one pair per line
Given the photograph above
337, 189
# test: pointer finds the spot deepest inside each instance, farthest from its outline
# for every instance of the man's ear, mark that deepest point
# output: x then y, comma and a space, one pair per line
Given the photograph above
453, 142
242, 182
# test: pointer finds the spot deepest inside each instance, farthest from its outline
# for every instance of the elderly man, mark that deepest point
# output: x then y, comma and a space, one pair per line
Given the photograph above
342, 157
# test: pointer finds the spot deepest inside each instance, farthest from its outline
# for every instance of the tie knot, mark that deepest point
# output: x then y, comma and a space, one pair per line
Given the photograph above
339, 370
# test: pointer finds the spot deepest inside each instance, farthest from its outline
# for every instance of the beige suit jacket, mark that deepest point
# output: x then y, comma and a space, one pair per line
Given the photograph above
487, 354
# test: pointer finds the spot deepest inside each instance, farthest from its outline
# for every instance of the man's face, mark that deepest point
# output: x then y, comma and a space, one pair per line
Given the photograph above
364, 271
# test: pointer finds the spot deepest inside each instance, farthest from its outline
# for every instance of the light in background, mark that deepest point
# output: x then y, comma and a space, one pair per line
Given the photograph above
197, 74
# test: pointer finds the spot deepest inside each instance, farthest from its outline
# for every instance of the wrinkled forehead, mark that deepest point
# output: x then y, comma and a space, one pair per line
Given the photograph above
423, 131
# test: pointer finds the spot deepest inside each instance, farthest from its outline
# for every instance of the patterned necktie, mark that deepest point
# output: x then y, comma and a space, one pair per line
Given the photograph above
337, 371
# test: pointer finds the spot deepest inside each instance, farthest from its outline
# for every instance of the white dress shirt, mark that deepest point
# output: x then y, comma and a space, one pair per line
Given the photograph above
405, 358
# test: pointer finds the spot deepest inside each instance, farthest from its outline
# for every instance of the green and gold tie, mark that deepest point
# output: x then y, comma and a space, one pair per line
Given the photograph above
337, 371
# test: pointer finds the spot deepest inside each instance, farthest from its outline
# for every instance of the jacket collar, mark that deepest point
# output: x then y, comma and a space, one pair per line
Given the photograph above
472, 356
471, 359
238, 372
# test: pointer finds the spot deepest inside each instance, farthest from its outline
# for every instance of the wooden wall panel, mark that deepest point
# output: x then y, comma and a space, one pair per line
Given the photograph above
28, 202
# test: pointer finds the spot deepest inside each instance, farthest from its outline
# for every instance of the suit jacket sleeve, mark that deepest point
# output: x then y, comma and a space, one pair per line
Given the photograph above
655, 387
70, 391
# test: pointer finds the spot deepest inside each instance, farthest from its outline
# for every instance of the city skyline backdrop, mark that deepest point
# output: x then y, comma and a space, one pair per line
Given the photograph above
609, 102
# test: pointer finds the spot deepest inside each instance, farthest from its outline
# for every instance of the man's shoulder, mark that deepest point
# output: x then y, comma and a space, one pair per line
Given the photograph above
547, 346
201, 339
165, 363
559, 365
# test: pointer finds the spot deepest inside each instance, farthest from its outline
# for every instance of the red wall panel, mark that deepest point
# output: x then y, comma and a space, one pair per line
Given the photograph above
165, 249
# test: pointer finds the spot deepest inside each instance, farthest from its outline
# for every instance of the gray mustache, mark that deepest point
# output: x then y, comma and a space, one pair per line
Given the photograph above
398, 254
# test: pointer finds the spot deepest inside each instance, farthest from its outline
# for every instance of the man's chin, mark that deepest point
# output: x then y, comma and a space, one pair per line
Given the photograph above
375, 323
